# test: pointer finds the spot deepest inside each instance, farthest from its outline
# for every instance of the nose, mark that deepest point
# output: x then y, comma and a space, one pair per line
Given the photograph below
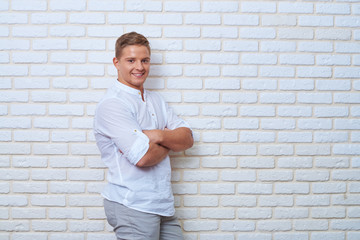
139, 65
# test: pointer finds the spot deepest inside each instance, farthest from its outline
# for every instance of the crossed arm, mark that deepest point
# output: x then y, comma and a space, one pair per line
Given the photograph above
162, 141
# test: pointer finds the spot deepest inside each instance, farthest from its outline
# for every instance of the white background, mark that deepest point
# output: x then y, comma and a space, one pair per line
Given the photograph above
270, 88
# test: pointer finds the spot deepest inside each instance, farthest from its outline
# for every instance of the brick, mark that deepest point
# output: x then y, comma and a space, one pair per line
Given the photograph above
317, 200
347, 47
200, 201
347, 21
13, 18
230, 123
224, 188
67, 5
33, 5
190, 225
255, 137
266, 59
28, 161
332, 162
311, 225
276, 150
236, 97
333, 34
281, 201
279, 20
86, 201
287, 7
275, 71
219, 137
331, 111
144, 6
275, 176
295, 137
19, 226
278, 98
50, 44
30, 31
179, 6
316, 21
311, 150
203, 150
238, 176
42, 200
90, 18
254, 188
255, 236
236, 201
277, 124
239, 150
277, 46
257, 111
223, 162
294, 236
87, 44
257, 33
240, 71
275, 225
68, 213
210, 213
258, 7
315, 98
296, 33
326, 137
202, 19
241, 20
251, 162
13, 70
346, 72
259, 84
314, 124
48, 18
255, 213
220, 6
29, 213
218, 83
286, 213
182, 32
295, 162
294, 59
333, 9
240, 46
292, 188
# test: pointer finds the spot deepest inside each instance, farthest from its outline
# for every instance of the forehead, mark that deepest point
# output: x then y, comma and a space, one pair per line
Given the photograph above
135, 51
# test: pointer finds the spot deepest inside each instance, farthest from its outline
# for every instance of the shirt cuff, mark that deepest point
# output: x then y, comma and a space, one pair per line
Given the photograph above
138, 149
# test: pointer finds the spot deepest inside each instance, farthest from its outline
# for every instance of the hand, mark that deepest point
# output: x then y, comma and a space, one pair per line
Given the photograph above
154, 135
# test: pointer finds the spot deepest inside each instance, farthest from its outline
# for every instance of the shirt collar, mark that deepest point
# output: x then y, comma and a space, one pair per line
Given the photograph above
123, 87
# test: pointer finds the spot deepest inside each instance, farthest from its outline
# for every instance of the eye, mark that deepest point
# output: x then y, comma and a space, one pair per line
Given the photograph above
130, 60
146, 60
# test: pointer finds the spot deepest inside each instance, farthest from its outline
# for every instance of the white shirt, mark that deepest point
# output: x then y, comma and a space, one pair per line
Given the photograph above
120, 117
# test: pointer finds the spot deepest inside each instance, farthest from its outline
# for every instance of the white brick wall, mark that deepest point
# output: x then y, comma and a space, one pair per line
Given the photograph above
271, 89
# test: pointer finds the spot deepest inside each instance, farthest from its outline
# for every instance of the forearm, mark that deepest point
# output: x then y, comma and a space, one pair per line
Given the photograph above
176, 140
155, 154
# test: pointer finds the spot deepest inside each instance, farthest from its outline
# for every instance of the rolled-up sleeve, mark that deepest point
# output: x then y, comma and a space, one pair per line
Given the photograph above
115, 120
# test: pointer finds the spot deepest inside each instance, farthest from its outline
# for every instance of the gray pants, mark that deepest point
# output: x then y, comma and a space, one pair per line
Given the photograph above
130, 224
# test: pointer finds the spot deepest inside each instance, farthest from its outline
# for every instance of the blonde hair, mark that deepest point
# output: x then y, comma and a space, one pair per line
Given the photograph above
131, 38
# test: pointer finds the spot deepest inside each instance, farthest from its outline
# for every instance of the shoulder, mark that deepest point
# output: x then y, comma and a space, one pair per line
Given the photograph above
113, 101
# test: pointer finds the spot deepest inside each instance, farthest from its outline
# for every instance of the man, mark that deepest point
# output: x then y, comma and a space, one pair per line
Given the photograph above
134, 130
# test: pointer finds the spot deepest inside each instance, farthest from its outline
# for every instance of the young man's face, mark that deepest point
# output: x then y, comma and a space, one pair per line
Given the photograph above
133, 66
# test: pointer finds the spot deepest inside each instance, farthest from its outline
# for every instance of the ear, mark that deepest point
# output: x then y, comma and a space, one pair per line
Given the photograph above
116, 62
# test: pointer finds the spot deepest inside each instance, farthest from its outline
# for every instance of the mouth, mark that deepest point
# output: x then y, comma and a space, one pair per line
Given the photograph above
138, 75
